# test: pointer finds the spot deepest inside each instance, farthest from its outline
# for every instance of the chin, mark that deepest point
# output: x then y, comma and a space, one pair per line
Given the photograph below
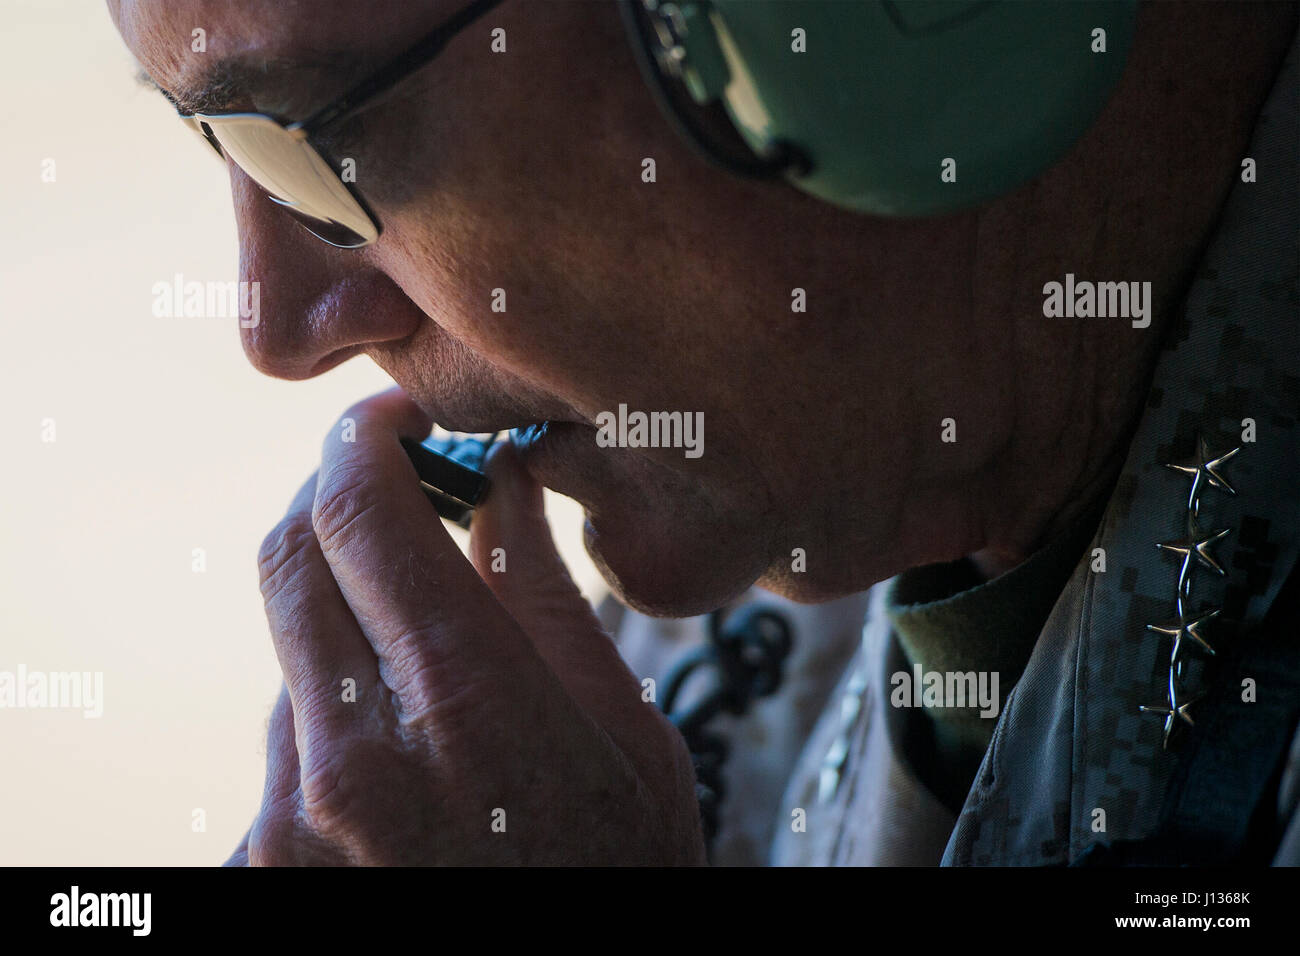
813, 589
672, 571
663, 543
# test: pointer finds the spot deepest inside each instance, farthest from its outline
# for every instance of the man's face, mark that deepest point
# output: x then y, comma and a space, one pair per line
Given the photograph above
522, 171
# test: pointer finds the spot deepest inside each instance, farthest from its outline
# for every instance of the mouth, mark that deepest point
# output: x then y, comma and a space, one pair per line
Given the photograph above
490, 420
550, 445
522, 436
471, 404
560, 455
536, 442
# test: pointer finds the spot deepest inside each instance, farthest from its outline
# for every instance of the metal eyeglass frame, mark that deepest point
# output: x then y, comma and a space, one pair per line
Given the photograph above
351, 102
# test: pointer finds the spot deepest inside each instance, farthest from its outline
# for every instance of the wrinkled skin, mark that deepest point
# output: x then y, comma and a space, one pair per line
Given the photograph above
461, 719
522, 172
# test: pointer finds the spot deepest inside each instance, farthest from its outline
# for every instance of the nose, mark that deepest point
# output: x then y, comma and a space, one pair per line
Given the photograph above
317, 305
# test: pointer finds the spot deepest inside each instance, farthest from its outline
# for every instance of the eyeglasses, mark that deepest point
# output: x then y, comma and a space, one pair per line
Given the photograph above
280, 158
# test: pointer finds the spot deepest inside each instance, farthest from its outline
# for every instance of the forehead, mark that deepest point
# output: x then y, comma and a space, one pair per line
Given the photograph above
255, 40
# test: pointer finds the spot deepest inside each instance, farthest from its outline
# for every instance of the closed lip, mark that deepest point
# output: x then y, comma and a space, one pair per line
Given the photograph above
490, 411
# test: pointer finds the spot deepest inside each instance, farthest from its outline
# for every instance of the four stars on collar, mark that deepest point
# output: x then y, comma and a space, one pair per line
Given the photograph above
1194, 550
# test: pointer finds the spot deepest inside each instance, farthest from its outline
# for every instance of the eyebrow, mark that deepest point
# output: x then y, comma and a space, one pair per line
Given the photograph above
277, 86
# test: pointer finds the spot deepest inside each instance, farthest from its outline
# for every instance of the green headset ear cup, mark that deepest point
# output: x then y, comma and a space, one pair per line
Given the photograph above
918, 108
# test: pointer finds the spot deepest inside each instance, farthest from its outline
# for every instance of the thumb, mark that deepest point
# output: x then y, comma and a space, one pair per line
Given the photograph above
512, 550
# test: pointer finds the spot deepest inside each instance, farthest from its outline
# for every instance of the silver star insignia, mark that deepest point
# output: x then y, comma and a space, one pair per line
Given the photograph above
1186, 628
1204, 470
1197, 546
1175, 712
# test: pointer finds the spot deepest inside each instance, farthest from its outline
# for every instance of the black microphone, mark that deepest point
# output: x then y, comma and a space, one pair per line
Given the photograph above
451, 472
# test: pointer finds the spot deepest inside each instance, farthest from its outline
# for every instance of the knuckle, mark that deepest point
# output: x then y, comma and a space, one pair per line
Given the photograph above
283, 552
415, 672
342, 500
273, 839
457, 700
337, 786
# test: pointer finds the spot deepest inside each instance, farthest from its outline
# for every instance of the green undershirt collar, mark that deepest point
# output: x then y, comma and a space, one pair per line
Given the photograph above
948, 621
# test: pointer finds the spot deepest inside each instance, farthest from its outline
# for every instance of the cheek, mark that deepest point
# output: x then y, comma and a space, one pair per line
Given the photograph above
496, 306
548, 312
518, 174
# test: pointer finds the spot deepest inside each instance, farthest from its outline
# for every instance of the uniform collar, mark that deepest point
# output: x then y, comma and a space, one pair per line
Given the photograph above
1073, 760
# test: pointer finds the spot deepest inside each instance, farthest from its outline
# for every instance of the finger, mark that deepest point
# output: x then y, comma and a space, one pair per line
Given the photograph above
515, 512
282, 775
434, 625
280, 793
513, 550
278, 834
329, 668
240, 856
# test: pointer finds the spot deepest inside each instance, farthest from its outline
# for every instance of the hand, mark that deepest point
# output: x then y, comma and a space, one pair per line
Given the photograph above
493, 721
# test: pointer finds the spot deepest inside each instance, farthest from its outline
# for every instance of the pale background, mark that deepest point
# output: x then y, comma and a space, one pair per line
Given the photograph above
167, 440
